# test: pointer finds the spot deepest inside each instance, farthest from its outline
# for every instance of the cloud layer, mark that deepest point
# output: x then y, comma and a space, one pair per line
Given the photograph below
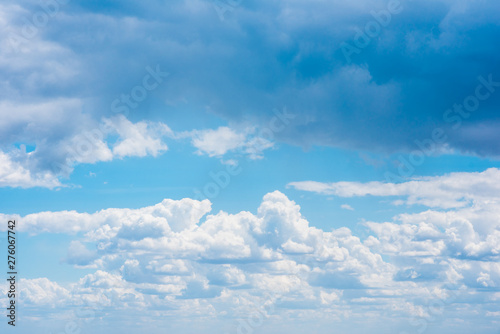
177, 258
431, 64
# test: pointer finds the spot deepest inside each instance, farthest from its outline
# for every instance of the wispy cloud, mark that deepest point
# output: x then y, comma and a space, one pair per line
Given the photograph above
450, 191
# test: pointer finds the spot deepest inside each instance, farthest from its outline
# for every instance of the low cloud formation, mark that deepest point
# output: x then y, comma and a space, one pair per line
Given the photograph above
179, 259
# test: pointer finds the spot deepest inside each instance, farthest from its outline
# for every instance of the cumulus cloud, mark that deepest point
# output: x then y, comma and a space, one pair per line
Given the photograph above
164, 256
14, 174
166, 217
140, 139
434, 245
134, 140
465, 230
43, 292
172, 257
55, 158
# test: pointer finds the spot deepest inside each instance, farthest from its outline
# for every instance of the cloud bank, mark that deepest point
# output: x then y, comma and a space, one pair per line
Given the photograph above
176, 258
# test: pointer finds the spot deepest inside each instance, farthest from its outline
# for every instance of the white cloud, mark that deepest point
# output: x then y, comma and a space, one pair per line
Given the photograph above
223, 140
77, 139
217, 142
294, 247
41, 291
166, 217
450, 191
139, 139
13, 174
36, 108
347, 207
167, 258
134, 140
83, 141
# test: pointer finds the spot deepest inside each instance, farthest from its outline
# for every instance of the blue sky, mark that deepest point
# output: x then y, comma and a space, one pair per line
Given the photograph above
252, 166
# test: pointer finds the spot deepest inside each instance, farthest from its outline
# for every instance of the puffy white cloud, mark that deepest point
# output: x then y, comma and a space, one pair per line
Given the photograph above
453, 234
278, 237
167, 217
14, 174
433, 245
140, 139
175, 259
293, 247
83, 141
91, 144
165, 251
41, 291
